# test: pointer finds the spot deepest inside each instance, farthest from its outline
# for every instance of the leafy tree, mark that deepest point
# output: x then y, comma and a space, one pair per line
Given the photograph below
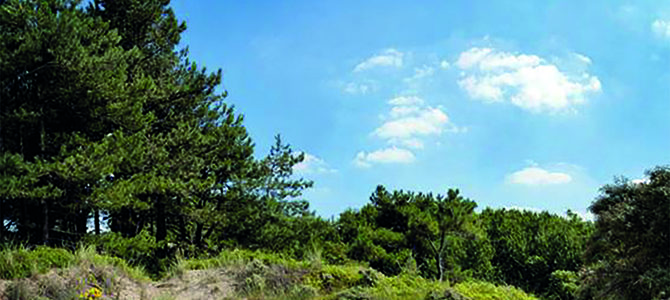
628, 255
530, 247
400, 229
442, 219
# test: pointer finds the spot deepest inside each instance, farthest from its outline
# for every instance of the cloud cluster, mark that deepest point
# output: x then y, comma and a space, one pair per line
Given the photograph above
526, 81
388, 58
538, 176
383, 156
408, 123
312, 165
409, 120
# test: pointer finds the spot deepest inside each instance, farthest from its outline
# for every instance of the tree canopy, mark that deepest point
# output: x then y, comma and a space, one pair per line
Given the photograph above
103, 115
628, 255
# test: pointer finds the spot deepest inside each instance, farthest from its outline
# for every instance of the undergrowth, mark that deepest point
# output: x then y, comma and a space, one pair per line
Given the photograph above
47, 273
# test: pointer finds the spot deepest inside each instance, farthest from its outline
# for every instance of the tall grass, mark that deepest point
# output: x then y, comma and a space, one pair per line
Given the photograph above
20, 262
256, 275
489, 291
88, 256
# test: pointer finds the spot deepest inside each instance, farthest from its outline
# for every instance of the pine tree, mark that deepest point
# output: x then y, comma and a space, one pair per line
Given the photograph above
102, 114
60, 75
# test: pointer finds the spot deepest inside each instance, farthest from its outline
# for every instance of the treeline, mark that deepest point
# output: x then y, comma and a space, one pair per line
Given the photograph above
110, 135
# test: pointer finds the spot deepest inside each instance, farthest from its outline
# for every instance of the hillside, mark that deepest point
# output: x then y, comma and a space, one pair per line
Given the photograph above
46, 273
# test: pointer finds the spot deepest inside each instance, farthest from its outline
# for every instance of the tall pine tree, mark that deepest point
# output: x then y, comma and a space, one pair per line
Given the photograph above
103, 114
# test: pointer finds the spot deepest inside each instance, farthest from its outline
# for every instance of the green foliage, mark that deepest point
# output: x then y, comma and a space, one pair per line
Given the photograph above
51, 273
87, 258
488, 291
404, 231
331, 278
563, 285
102, 116
19, 262
140, 250
240, 257
530, 246
628, 255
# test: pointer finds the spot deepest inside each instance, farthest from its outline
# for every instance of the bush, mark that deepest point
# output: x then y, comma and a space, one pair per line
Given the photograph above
20, 262
563, 285
489, 291
141, 250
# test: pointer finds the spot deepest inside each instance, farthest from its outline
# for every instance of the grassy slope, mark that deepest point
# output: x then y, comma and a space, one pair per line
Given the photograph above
60, 274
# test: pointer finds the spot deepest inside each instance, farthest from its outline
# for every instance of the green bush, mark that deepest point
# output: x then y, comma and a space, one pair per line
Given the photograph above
20, 262
333, 278
563, 285
141, 250
489, 291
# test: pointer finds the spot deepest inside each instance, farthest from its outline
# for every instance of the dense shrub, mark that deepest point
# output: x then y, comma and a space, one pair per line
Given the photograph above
20, 262
141, 250
530, 246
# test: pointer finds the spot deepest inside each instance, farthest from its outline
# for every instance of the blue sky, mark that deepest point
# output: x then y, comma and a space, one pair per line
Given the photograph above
530, 104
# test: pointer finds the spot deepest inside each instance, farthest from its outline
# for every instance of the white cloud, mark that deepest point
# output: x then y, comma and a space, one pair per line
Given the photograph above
444, 65
411, 143
661, 28
586, 216
388, 58
419, 74
538, 176
424, 121
400, 111
640, 181
313, 165
526, 81
582, 58
406, 100
357, 88
384, 156
487, 59
409, 121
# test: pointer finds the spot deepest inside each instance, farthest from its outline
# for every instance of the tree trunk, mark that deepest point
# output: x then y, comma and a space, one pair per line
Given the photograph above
440, 267
198, 234
161, 229
45, 224
2, 219
82, 223
184, 235
96, 221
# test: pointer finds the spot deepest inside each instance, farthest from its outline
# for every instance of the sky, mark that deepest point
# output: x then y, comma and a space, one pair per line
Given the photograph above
518, 104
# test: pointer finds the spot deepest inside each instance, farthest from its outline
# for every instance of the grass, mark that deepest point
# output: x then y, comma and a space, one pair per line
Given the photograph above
259, 273
54, 273
47, 273
88, 257
233, 258
20, 262
488, 291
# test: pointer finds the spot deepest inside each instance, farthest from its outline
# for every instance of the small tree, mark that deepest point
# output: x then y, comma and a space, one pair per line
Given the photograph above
449, 216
